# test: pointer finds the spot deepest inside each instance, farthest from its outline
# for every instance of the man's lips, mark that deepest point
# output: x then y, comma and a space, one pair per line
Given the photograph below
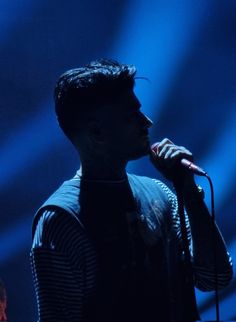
144, 133
145, 136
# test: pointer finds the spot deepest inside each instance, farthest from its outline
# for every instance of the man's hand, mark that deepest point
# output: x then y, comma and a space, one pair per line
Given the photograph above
166, 159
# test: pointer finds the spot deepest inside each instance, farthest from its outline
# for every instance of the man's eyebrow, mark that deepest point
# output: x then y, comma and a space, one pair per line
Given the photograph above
135, 108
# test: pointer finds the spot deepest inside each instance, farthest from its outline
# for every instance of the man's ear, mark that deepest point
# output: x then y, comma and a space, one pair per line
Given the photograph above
95, 131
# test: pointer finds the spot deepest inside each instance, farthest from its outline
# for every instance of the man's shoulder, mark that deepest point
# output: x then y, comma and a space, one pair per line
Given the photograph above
151, 188
139, 177
65, 200
65, 197
147, 181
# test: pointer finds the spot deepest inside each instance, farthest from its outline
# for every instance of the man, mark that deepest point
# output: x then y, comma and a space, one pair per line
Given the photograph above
107, 245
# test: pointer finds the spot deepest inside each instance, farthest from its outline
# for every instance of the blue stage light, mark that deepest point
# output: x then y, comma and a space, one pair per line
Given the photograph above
156, 38
10, 14
15, 239
221, 159
28, 144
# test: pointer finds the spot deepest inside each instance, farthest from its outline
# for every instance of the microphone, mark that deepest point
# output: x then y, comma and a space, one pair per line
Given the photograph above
184, 162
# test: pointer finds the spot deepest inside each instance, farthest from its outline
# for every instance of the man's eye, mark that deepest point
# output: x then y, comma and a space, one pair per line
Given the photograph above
136, 113
132, 115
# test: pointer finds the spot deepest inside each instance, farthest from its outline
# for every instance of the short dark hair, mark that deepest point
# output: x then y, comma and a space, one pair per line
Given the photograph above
83, 89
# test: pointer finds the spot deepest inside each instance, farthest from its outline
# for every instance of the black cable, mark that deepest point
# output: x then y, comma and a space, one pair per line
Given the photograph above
190, 299
186, 246
214, 250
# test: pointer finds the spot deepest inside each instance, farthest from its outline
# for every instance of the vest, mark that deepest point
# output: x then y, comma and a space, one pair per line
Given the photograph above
155, 221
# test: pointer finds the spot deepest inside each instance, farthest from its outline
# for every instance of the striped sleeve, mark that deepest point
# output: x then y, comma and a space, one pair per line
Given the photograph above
63, 265
204, 277
172, 199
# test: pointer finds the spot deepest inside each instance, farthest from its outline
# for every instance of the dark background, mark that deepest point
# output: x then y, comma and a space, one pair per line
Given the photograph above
187, 49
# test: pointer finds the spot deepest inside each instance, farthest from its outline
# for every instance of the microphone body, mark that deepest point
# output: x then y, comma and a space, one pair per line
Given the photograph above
184, 162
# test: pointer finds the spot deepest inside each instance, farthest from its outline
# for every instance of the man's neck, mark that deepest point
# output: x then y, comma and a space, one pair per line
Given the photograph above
102, 171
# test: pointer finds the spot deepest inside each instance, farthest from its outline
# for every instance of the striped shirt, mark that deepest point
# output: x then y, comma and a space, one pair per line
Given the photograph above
121, 276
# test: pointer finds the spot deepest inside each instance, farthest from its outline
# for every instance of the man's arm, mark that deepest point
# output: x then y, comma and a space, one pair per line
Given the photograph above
57, 263
206, 237
209, 248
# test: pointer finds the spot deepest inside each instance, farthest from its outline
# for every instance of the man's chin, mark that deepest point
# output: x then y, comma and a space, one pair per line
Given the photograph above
139, 154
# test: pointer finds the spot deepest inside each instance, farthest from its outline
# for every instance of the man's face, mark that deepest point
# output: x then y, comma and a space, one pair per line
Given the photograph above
125, 128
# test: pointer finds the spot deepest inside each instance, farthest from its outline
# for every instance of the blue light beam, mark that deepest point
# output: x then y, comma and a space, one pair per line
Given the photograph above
13, 12
156, 37
28, 144
220, 161
15, 239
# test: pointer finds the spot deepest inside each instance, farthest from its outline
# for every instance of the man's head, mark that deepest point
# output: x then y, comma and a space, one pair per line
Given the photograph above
93, 104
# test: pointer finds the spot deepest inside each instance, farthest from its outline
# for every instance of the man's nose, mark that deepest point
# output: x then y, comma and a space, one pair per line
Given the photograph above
148, 122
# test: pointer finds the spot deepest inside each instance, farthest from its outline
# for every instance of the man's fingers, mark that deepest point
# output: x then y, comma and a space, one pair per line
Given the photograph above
170, 152
167, 153
182, 153
166, 158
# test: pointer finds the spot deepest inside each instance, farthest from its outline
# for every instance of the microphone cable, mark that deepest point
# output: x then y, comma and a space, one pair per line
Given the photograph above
199, 171
217, 306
